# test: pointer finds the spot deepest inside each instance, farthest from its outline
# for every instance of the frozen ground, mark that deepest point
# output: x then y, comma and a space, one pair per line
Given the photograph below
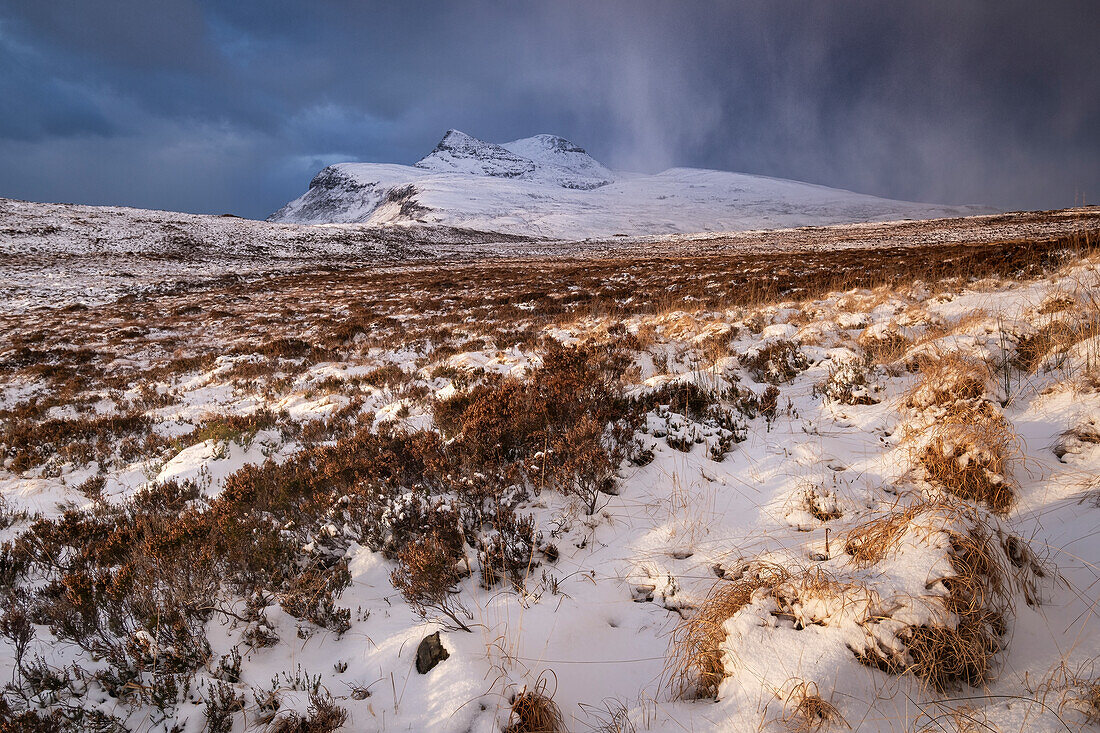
872, 470
59, 255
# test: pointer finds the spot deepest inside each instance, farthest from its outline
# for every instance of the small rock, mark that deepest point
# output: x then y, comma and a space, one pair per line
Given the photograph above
430, 653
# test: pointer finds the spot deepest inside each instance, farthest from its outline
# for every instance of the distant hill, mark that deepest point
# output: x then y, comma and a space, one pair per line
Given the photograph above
546, 186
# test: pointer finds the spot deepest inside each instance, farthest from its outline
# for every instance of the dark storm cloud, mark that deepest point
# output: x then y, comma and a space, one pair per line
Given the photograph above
208, 106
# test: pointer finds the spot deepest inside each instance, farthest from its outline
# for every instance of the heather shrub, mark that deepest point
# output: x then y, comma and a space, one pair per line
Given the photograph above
685, 398
389, 519
496, 422
426, 574
312, 596
509, 550
563, 410
583, 464
28, 444
776, 362
323, 716
850, 383
222, 703
390, 375
239, 429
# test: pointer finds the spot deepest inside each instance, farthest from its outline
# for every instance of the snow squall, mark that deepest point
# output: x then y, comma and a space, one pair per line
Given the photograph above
547, 186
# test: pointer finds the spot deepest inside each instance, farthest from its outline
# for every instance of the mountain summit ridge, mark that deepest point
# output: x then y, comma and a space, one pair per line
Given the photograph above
544, 158
458, 152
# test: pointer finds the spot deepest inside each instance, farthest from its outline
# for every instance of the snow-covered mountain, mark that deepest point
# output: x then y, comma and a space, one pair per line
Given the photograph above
457, 152
546, 186
559, 161
542, 159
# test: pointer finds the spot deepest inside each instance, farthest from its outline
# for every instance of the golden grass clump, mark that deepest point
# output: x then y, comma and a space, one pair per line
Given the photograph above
1056, 335
807, 712
960, 646
810, 597
969, 453
981, 569
695, 669
872, 541
535, 711
1075, 688
962, 719
946, 379
946, 654
1087, 700
1071, 318
884, 347
814, 597
980, 562
1074, 439
1056, 302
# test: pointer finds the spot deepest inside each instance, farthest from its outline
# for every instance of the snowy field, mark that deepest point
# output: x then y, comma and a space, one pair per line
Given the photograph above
824, 479
62, 255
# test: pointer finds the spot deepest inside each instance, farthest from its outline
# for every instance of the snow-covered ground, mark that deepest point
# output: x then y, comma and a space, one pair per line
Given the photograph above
816, 419
548, 187
62, 255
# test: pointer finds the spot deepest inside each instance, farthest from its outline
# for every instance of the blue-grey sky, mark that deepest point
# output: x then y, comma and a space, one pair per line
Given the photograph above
232, 106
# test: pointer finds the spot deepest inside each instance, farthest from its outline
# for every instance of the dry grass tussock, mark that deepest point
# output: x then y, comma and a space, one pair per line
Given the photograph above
946, 379
873, 541
1076, 689
961, 719
970, 453
1061, 322
813, 596
1054, 338
987, 566
962, 324
534, 711
885, 347
956, 643
961, 441
1056, 302
1086, 699
805, 711
1087, 432
695, 668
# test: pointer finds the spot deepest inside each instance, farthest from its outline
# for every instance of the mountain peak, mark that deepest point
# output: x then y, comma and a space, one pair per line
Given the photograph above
454, 136
561, 161
542, 158
554, 143
456, 141
458, 152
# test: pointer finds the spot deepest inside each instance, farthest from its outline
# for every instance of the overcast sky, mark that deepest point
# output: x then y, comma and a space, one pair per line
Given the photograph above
233, 106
